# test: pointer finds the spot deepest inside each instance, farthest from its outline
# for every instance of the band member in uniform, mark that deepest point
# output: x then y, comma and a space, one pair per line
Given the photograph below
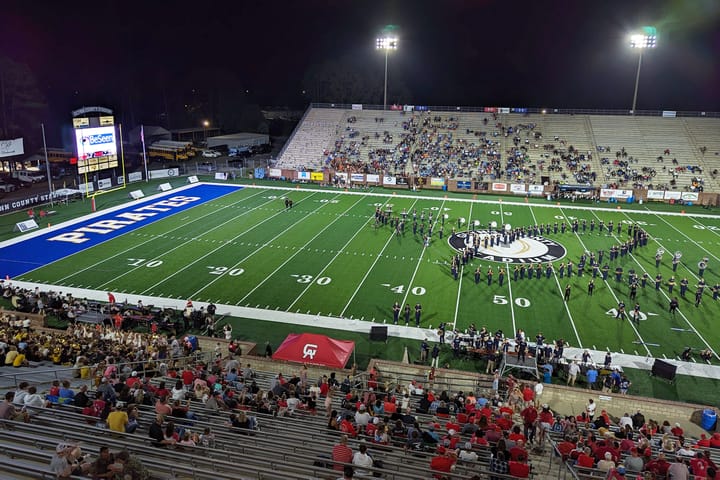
396, 312
658, 281
621, 310
477, 275
406, 313
671, 284
501, 276
418, 311
674, 304
605, 271
636, 313
590, 287
489, 275
566, 295
683, 286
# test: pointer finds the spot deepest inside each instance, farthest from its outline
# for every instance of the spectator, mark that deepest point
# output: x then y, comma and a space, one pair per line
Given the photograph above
678, 470
498, 464
342, 453
117, 419
102, 467
606, 464
348, 473
67, 461
467, 454
8, 411
362, 460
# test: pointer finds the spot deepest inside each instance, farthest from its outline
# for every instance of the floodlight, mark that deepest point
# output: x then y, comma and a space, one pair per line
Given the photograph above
386, 43
647, 38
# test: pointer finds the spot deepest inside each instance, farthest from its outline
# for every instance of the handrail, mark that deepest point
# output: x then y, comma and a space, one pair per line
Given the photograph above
526, 110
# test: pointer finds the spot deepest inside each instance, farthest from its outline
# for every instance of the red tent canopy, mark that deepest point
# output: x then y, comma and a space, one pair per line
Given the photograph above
315, 349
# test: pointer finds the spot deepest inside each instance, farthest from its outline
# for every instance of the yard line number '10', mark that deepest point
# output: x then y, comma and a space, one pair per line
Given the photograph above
143, 262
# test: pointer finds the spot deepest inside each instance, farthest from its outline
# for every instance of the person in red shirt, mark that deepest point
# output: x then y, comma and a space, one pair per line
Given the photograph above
347, 427
704, 442
516, 434
518, 451
132, 380
188, 377
504, 422
528, 395
452, 425
677, 431
342, 453
443, 463
529, 416
478, 438
658, 466
586, 459
519, 468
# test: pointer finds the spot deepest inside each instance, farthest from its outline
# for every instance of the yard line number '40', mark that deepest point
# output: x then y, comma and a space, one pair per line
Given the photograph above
519, 301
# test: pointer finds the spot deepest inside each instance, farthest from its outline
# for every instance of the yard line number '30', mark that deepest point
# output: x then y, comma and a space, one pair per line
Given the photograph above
309, 279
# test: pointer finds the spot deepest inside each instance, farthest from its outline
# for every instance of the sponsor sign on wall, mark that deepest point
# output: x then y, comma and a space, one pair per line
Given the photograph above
389, 180
536, 189
517, 188
690, 196
655, 194
357, 177
274, 173
672, 195
437, 181
464, 184
134, 177
317, 176
615, 193
163, 173
8, 148
104, 183
303, 175
357, 106
499, 187
371, 178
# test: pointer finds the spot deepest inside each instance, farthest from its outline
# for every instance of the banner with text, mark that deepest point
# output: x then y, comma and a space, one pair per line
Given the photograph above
615, 193
9, 148
536, 189
274, 172
370, 178
499, 187
357, 177
317, 176
389, 180
303, 175
690, 196
437, 181
517, 188
655, 194
163, 173
672, 195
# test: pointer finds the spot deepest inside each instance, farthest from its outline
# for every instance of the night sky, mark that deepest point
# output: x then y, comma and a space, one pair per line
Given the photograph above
143, 57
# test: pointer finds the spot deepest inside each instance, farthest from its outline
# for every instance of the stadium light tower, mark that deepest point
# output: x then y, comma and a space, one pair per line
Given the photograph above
647, 38
386, 42
206, 124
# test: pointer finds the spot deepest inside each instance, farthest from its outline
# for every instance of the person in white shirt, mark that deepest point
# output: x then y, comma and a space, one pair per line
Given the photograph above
590, 409
34, 399
573, 370
21, 393
362, 417
625, 420
467, 453
362, 460
539, 387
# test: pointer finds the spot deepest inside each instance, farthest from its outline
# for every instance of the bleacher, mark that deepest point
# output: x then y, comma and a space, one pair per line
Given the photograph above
481, 146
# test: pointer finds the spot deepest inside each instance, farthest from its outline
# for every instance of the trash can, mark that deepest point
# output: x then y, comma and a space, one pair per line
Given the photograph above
548, 379
708, 420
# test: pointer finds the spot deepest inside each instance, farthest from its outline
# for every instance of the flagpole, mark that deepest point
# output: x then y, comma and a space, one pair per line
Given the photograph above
47, 165
142, 137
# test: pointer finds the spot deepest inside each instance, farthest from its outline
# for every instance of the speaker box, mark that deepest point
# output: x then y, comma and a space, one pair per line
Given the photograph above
664, 370
378, 334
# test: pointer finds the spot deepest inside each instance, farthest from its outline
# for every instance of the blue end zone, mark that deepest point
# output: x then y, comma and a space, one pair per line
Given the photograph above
31, 253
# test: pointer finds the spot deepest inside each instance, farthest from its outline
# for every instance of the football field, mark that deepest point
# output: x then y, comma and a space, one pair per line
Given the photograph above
328, 255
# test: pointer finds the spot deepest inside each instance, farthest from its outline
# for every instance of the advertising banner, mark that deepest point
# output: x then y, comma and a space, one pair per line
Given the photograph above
672, 195
317, 176
134, 177
163, 173
517, 188
303, 175
536, 189
357, 106
357, 177
499, 187
466, 185
409, 108
371, 178
655, 194
8, 148
389, 180
274, 172
95, 142
504, 110
615, 193
690, 196
104, 183
437, 181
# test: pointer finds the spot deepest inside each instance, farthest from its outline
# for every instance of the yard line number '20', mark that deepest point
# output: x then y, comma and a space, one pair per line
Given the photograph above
520, 301
233, 272
142, 262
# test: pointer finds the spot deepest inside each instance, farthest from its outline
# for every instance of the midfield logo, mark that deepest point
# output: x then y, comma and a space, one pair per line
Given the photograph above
522, 250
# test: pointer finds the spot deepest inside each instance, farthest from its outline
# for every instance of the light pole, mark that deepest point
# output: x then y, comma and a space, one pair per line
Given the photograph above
206, 124
641, 41
386, 43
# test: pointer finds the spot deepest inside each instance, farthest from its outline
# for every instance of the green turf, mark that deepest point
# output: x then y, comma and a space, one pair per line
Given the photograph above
326, 256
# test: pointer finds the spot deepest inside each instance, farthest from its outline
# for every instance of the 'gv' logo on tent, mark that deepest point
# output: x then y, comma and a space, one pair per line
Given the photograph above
309, 350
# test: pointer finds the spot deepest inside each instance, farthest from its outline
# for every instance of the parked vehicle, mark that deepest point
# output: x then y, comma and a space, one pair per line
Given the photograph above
211, 154
28, 176
6, 187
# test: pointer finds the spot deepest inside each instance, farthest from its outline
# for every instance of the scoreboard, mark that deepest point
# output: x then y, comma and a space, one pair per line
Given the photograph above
96, 142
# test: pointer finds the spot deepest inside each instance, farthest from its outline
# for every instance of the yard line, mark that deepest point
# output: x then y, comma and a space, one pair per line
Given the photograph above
560, 289
292, 256
224, 244
362, 227
683, 234
507, 270
667, 297
612, 292
105, 259
367, 273
462, 270
422, 252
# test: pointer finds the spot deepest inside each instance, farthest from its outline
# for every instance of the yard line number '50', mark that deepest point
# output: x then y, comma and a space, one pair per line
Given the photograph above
519, 301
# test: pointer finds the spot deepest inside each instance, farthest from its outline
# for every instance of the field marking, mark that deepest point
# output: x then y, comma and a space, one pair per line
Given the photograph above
684, 235
612, 291
507, 269
492, 202
560, 289
327, 265
293, 255
367, 273
422, 253
667, 297
224, 244
123, 252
